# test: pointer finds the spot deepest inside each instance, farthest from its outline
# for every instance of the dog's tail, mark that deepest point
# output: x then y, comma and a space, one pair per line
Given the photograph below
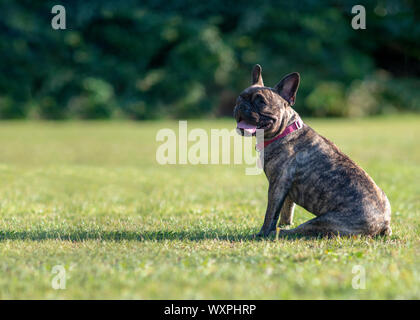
387, 231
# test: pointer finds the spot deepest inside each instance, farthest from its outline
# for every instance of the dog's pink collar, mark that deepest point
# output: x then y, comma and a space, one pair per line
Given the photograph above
289, 129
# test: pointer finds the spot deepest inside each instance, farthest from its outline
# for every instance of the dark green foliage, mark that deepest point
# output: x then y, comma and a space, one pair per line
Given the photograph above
151, 59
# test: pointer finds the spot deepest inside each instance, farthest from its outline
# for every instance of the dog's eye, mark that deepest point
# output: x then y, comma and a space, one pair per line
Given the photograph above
259, 101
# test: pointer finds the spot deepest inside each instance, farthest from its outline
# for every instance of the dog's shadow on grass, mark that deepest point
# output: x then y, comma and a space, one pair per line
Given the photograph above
140, 236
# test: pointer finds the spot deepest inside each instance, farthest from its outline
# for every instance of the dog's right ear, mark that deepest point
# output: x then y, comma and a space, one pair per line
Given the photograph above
256, 76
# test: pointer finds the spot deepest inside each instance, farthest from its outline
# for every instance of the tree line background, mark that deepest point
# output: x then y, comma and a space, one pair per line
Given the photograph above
180, 59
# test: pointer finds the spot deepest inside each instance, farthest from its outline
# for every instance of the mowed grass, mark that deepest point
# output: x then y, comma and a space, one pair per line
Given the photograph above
91, 197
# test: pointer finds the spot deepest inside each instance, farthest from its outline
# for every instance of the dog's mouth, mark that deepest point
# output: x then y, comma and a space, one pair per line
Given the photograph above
251, 129
246, 127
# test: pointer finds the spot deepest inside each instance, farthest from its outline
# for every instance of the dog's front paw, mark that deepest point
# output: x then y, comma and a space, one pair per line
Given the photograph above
263, 233
258, 235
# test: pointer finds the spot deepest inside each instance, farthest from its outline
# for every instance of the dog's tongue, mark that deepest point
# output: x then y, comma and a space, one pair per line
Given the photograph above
247, 127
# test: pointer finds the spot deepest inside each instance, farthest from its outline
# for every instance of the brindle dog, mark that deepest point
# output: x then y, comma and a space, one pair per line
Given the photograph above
307, 169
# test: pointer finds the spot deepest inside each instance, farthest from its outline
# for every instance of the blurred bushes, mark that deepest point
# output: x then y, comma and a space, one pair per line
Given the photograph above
327, 99
153, 59
376, 94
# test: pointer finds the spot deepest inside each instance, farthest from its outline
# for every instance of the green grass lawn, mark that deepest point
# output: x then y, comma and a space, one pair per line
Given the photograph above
92, 198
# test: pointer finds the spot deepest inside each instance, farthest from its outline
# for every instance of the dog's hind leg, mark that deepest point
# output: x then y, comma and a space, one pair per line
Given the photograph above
329, 224
286, 213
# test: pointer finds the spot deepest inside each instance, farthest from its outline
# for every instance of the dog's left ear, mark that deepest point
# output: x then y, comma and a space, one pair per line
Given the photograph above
288, 86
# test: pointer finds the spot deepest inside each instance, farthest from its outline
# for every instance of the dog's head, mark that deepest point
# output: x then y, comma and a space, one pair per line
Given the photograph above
260, 107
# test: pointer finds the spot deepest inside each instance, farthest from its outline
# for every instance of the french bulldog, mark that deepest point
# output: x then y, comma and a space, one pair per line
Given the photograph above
304, 168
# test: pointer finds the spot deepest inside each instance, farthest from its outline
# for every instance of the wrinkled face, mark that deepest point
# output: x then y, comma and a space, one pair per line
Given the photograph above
260, 107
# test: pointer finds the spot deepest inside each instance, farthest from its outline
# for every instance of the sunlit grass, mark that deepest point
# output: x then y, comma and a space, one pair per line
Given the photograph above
91, 197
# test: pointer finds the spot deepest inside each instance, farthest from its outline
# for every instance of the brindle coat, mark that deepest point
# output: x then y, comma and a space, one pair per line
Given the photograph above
309, 170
